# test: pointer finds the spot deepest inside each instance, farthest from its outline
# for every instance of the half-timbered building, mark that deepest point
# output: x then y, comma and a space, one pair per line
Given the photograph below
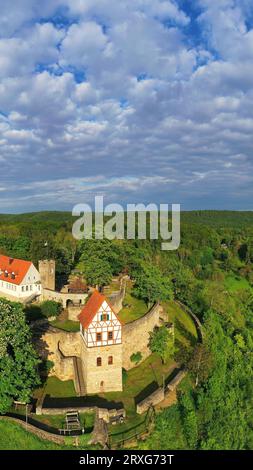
101, 348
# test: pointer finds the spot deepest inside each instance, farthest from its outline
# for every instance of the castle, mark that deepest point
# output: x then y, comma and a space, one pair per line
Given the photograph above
95, 356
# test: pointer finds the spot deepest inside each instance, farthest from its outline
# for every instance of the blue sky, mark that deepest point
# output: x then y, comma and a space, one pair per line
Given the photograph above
144, 101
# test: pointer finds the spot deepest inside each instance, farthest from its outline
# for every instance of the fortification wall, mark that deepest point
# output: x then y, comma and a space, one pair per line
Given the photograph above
73, 313
135, 335
53, 344
63, 297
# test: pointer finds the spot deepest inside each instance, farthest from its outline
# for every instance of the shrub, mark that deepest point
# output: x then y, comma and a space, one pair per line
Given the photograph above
136, 357
50, 308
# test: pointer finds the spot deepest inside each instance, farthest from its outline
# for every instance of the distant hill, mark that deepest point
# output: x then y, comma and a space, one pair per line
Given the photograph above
205, 217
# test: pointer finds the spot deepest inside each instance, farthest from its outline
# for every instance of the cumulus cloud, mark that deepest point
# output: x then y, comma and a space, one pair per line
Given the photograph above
108, 96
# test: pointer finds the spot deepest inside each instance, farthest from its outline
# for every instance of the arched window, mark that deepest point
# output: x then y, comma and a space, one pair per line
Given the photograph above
110, 360
99, 361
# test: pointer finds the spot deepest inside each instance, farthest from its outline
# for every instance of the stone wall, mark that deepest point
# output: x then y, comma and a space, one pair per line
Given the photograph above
103, 413
63, 297
173, 384
116, 298
53, 345
73, 313
153, 399
135, 335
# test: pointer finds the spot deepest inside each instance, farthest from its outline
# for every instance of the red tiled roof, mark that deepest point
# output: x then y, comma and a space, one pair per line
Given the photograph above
17, 266
91, 308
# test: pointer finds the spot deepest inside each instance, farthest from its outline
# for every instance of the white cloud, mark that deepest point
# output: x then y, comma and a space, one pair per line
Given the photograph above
148, 121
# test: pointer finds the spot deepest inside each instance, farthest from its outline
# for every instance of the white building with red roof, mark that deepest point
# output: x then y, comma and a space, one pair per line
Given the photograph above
101, 346
19, 279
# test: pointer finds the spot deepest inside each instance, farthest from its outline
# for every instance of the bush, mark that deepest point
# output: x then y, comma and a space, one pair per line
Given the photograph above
136, 357
33, 312
50, 308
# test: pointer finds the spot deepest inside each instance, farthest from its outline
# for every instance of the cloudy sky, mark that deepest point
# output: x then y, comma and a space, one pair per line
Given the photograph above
139, 100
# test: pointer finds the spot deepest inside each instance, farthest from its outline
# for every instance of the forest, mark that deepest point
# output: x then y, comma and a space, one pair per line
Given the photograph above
211, 273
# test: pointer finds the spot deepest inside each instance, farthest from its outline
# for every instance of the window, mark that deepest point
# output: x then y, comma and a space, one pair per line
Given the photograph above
110, 360
110, 335
99, 361
99, 336
104, 317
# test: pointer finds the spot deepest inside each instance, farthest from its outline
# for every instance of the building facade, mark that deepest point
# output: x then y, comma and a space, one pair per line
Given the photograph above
19, 279
101, 346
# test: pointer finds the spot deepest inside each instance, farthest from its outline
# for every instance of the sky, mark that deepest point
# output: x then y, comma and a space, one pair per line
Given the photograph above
140, 101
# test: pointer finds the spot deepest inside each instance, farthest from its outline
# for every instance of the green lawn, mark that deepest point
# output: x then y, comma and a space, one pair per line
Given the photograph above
233, 283
66, 325
132, 308
14, 437
59, 388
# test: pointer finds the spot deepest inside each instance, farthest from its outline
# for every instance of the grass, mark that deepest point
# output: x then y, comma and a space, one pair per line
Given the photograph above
66, 325
15, 437
133, 308
234, 284
185, 330
59, 388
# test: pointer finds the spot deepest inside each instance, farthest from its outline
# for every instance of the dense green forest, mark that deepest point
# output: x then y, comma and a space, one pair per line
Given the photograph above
212, 273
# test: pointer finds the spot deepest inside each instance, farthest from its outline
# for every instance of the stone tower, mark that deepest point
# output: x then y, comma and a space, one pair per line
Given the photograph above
47, 273
101, 346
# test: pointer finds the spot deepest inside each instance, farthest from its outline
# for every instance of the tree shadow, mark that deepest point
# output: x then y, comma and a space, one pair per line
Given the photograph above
179, 326
183, 353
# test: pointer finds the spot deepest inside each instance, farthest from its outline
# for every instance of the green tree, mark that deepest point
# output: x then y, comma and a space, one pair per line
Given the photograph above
97, 272
161, 341
50, 308
151, 285
18, 359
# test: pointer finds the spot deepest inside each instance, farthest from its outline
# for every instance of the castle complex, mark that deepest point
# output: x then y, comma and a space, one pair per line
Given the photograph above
95, 356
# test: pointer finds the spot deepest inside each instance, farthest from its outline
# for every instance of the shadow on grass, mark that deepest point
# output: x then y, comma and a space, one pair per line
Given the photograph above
152, 387
179, 326
76, 402
172, 375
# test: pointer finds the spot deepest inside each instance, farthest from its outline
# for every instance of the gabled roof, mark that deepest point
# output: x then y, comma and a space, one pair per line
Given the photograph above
17, 267
91, 308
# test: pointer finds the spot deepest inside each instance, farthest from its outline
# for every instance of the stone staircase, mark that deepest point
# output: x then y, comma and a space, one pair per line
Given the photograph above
79, 381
